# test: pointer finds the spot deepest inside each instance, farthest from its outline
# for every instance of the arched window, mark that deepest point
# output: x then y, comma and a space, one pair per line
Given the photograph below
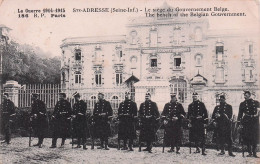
133, 35
114, 102
179, 86
133, 61
92, 102
198, 34
198, 59
153, 38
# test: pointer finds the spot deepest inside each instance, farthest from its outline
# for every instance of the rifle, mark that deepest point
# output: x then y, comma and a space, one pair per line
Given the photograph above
71, 128
30, 136
30, 131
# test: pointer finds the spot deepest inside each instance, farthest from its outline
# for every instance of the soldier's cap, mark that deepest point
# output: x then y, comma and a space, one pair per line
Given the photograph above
148, 94
222, 97
195, 94
76, 94
247, 91
35, 94
5, 94
62, 94
173, 95
100, 93
127, 93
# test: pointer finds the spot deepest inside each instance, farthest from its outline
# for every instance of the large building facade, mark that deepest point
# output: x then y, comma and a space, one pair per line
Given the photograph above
179, 55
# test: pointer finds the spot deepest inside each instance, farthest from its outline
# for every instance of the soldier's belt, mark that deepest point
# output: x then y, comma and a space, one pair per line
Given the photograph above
248, 115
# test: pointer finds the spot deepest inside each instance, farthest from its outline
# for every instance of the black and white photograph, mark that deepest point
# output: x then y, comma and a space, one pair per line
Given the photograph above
129, 81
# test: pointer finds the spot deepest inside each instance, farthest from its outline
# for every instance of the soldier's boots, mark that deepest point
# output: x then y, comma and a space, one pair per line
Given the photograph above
230, 153
125, 148
255, 155
36, 144
222, 152
197, 150
106, 148
85, 147
40, 145
53, 146
171, 150
177, 150
78, 146
131, 148
203, 151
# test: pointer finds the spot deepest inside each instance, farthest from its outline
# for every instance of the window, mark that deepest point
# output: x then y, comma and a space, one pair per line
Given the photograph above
93, 101
98, 79
219, 53
198, 34
133, 61
120, 55
153, 62
98, 56
153, 38
219, 49
63, 77
118, 78
250, 49
179, 86
248, 75
133, 37
78, 54
78, 77
219, 75
198, 60
115, 102
177, 62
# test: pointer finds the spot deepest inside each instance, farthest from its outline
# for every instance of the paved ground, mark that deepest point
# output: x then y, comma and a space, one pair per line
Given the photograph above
19, 152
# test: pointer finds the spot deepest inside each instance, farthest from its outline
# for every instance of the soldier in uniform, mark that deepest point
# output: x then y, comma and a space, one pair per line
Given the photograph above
248, 119
102, 113
61, 120
221, 118
127, 112
80, 119
198, 116
7, 114
38, 118
148, 114
172, 114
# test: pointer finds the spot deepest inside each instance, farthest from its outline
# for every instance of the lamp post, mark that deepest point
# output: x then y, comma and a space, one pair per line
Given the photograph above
3, 43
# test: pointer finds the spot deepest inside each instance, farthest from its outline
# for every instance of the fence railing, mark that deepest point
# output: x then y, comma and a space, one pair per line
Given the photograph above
48, 94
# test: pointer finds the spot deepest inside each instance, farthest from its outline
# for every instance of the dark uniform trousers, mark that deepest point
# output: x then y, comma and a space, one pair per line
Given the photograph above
148, 114
126, 128
174, 114
248, 117
39, 119
197, 114
7, 114
79, 110
62, 126
101, 128
223, 125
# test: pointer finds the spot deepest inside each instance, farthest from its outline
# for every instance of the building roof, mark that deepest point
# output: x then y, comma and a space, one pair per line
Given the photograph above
132, 78
94, 40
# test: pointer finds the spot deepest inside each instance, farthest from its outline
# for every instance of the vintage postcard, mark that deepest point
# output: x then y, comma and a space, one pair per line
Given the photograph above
169, 59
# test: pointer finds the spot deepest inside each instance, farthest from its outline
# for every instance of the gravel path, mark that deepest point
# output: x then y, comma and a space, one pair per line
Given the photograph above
19, 152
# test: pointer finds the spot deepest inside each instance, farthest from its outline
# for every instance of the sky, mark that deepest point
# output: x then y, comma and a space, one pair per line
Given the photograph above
48, 33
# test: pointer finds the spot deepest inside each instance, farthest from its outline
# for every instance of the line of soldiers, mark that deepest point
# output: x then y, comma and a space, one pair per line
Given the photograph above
148, 116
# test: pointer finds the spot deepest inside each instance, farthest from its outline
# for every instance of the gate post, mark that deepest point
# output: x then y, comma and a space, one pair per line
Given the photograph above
12, 87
